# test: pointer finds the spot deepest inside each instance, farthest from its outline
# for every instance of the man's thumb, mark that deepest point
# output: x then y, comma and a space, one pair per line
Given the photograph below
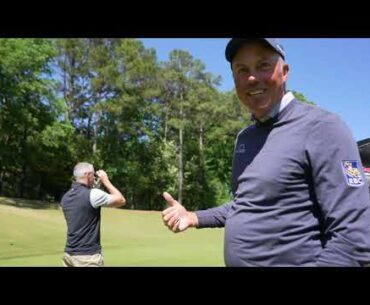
169, 199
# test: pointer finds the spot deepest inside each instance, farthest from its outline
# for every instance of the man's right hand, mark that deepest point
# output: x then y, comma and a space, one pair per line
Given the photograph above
176, 217
103, 176
118, 199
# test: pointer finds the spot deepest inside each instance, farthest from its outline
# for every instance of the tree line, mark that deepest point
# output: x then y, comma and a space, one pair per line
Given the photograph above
153, 126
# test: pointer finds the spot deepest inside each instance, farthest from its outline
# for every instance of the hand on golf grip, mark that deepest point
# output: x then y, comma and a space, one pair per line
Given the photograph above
176, 217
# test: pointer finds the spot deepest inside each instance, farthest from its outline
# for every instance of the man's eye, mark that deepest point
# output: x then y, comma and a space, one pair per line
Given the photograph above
265, 65
242, 71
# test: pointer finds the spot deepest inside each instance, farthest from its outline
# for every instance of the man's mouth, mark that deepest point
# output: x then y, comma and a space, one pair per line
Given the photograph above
256, 92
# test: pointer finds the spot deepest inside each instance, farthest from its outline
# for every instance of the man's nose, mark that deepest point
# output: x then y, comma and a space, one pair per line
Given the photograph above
252, 78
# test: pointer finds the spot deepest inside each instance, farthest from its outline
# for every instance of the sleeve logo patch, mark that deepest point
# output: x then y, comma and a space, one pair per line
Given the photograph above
352, 174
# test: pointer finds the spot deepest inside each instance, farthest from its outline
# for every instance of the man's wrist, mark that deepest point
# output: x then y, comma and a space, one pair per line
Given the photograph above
193, 219
106, 181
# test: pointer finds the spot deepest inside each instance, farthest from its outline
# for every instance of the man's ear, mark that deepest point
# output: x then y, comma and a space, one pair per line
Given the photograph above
285, 71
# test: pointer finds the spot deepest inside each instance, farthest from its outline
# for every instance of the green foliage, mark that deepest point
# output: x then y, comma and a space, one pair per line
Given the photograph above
302, 98
153, 126
26, 95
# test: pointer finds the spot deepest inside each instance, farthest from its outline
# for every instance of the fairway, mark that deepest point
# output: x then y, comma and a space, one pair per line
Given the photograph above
33, 234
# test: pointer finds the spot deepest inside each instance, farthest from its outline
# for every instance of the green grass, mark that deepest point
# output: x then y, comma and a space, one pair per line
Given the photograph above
33, 234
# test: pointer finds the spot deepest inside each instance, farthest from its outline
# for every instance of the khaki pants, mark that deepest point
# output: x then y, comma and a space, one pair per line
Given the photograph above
94, 260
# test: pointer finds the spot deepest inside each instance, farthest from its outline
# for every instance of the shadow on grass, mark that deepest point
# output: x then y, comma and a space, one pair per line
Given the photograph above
30, 204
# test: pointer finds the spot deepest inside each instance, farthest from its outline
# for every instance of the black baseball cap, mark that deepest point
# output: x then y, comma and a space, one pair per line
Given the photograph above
235, 43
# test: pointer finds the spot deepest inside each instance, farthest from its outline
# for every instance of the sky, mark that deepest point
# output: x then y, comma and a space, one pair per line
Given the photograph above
334, 73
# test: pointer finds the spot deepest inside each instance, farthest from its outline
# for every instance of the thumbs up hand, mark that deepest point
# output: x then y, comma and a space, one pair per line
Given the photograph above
176, 217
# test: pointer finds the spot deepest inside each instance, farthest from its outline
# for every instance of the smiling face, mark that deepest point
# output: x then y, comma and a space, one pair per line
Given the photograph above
259, 75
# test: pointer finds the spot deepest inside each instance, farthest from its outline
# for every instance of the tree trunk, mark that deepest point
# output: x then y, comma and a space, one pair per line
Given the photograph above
95, 128
1, 182
7, 139
165, 121
71, 92
67, 114
97, 115
181, 165
40, 194
22, 183
201, 155
201, 134
133, 207
166, 104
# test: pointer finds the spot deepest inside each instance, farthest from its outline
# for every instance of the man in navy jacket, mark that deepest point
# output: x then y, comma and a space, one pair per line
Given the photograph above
299, 192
